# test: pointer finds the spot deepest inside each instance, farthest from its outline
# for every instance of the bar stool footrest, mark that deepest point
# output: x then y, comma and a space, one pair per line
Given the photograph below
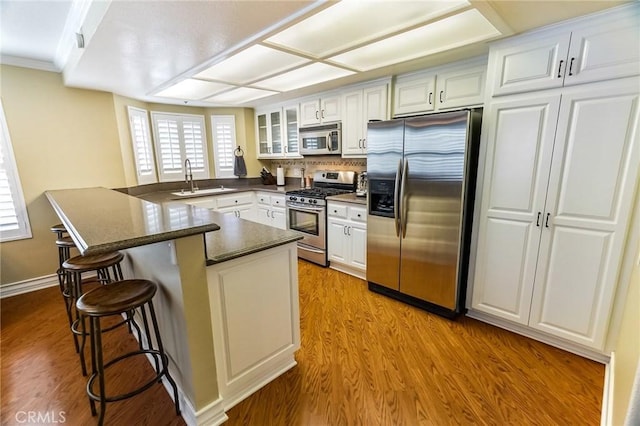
134, 392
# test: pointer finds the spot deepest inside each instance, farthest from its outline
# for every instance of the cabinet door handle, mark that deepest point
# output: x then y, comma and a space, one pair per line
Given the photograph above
441, 93
430, 95
317, 115
571, 66
344, 230
560, 68
364, 143
359, 215
286, 149
349, 231
335, 211
360, 143
546, 223
538, 219
322, 115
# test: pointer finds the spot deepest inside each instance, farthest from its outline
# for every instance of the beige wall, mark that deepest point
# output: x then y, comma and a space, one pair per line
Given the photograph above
62, 138
73, 138
627, 350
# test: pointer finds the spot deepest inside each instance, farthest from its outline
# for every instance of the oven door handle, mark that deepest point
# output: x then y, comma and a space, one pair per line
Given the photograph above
306, 209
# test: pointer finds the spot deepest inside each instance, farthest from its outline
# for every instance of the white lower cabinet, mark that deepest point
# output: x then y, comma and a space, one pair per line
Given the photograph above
240, 205
271, 210
561, 172
347, 238
255, 320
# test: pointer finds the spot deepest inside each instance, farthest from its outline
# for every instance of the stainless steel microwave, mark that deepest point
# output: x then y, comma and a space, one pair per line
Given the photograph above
321, 140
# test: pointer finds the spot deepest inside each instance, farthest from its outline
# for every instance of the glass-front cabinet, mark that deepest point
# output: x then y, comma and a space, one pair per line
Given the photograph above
277, 132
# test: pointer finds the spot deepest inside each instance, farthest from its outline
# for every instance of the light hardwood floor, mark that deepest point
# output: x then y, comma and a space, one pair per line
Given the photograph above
364, 360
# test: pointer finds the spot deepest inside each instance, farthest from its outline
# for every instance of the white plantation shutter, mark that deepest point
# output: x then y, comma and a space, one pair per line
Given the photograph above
177, 138
224, 143
142, 149
14, 222
194, 144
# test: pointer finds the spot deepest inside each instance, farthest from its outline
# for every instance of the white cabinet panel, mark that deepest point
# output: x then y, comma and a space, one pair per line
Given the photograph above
567, 299
330, 109
358, 107
506, 268
310, 112
591, 171
603, 51
535, 64
352, 123
414, 94
461, 87
358, 236
337, 241
522, 131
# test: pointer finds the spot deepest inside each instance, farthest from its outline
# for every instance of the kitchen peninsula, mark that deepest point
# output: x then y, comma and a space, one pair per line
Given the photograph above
228, 289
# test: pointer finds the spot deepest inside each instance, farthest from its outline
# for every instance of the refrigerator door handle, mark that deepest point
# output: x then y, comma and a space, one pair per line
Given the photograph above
396, 205
403, 209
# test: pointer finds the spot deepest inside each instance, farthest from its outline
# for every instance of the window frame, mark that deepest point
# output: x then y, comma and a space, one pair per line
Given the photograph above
164, 176
223, 171
143, 177
23, 231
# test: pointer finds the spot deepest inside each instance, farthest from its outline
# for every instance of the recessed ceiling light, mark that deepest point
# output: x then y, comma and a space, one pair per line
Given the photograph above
455, 31
351, 23
240, 95
302, 77
252, 64
193, 89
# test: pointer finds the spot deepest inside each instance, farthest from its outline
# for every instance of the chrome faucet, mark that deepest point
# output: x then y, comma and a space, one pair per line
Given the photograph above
188, 175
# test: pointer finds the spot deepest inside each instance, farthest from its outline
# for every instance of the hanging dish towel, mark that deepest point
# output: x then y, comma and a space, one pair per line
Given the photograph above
239, 166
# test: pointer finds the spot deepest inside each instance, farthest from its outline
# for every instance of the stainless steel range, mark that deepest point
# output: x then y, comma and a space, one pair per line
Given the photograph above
307, 211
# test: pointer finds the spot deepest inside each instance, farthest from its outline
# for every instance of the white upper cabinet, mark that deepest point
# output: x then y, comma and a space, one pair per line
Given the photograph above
277, 132
359, 106
442, 88
461, 87
414, 94
321, 110
580, 52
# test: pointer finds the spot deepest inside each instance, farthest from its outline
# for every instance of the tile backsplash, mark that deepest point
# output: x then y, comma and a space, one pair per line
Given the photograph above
312, 164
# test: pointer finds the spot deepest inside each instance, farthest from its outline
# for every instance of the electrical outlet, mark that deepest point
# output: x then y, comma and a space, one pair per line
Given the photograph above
297, 172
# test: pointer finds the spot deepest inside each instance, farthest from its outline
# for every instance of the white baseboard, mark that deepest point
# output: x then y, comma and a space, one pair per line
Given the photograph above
540, 336
26, 286
606, 418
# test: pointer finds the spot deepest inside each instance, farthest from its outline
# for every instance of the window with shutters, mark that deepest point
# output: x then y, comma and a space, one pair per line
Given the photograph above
179, 137
142, 148
224, 143
14, 222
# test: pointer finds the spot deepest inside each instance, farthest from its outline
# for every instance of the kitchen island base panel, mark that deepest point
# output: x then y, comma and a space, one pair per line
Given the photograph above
255, 319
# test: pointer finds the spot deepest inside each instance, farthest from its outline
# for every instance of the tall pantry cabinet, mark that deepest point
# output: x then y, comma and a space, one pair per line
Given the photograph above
560, 177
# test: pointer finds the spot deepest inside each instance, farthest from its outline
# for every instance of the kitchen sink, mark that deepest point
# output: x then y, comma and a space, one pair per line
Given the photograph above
199, 192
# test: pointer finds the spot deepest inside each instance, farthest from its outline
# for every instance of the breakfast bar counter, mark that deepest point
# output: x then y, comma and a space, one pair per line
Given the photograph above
227, 300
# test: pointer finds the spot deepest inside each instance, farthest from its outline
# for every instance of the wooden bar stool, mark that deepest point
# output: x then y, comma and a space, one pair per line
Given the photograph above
115, 299
107, 268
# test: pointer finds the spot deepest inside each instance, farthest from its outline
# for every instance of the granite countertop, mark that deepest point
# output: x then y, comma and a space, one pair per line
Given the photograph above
348, 198
101, 220
239, 237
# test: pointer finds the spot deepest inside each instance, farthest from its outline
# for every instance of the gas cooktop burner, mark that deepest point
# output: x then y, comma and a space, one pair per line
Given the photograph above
318, 192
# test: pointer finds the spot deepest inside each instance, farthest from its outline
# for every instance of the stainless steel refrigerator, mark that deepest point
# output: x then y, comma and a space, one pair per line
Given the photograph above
422, 173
